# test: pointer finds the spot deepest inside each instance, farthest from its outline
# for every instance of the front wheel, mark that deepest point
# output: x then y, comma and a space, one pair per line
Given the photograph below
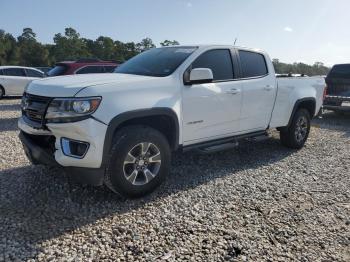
297, 133
140, 160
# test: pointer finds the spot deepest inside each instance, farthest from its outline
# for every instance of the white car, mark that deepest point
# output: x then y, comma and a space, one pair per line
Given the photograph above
120, 128
13, 79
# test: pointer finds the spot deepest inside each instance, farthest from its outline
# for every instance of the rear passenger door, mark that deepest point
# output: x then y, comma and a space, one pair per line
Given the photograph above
259, 91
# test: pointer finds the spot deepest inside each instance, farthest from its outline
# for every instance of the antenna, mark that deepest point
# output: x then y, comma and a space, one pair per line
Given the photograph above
235, 41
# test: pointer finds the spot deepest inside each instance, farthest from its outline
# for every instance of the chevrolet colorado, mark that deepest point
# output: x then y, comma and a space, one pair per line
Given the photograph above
120, 128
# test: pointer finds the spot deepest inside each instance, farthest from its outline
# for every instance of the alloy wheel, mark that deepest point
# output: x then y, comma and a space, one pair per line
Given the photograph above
301, 129
142, 163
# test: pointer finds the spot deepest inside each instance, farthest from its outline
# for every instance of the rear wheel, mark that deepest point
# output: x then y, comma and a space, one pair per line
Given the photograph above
140, 160
297, 133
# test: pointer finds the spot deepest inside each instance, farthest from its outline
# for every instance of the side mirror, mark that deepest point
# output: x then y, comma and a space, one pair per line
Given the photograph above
201, 76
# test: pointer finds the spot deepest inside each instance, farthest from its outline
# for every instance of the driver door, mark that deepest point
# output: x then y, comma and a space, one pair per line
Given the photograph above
212, 110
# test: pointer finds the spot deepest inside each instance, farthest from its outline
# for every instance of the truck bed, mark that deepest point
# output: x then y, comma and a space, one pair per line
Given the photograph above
288, 91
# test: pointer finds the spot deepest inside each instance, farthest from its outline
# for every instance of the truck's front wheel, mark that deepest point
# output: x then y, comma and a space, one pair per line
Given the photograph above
140, 160
297, 133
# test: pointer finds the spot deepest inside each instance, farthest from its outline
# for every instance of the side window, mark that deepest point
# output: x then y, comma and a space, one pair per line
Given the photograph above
253, 64
14, 72
219, 61
90, 70
33, 73
109, 69
1, 73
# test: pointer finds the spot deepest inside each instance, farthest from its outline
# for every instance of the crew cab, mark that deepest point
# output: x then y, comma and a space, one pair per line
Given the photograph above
121, 128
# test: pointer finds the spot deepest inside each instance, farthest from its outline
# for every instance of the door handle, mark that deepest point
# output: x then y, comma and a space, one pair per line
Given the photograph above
233, 91
268, 88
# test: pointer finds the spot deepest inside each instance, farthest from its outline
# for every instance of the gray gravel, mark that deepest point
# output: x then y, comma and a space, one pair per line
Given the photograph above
258, 202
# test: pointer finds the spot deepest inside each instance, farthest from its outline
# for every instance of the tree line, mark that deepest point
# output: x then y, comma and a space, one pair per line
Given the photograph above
25, 50
317, 68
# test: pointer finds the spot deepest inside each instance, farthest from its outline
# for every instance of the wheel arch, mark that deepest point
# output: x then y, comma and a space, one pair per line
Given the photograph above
162, 119
308, 103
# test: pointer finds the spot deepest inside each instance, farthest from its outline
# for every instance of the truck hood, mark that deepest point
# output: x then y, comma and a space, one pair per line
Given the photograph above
69, 86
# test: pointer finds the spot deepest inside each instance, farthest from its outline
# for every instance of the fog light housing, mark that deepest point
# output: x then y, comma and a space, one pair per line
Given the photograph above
74, 148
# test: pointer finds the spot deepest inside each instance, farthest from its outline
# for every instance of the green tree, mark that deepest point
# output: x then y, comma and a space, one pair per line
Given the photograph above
104, 48
145, 44
9, 53
70, 46
169, 43
32, 53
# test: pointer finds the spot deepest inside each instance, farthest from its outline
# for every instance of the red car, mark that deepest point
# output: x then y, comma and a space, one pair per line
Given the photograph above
82, 66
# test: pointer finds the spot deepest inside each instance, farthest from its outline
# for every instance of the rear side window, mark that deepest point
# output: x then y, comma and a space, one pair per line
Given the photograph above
340, 71
34, 73
90, 70
57, 70
219, 61
109, 69
14, 72
1, 73
253, 64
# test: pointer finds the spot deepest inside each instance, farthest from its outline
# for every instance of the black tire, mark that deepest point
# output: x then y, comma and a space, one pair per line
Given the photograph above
290, 137
2, 92
127, 139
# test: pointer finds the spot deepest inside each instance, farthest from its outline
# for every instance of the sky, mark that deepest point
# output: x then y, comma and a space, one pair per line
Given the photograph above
293, 31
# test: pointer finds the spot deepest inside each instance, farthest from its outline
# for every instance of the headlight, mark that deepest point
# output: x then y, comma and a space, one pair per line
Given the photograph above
71, 109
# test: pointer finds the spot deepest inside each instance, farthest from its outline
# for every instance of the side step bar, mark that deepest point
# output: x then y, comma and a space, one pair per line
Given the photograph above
225, 143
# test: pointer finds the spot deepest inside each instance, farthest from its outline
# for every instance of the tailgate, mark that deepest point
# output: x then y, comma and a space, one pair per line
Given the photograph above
338, 87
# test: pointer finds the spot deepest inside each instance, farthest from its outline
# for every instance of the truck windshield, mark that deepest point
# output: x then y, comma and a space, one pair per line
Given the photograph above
340, 71
157, 62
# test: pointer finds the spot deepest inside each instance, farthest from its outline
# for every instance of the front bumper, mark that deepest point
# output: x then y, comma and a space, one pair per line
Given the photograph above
39, 154
36, 153
43, 146
89, 130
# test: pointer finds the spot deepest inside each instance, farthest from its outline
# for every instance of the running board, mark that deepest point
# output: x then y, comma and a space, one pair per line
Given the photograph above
218, 148
260, 138
225, 143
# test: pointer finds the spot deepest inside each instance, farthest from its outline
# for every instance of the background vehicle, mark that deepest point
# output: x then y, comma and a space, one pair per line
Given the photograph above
119, 129
44, 69
82, 66
338, 89
13, 79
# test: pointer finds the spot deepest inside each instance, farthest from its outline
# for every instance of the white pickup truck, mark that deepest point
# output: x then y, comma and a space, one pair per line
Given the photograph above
120, 128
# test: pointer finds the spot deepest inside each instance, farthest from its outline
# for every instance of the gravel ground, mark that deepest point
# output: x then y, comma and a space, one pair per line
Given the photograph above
258, 202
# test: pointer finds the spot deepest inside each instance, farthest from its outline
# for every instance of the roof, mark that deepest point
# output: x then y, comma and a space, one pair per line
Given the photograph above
22, 67
210, 46
83, 61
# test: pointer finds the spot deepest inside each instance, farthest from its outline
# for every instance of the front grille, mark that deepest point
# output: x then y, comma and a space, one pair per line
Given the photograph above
34, 107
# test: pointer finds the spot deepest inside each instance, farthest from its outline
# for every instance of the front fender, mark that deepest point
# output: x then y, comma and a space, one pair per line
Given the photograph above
118, 120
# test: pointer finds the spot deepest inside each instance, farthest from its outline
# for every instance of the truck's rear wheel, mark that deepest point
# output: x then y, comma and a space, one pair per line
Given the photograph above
297, 133
140, 160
